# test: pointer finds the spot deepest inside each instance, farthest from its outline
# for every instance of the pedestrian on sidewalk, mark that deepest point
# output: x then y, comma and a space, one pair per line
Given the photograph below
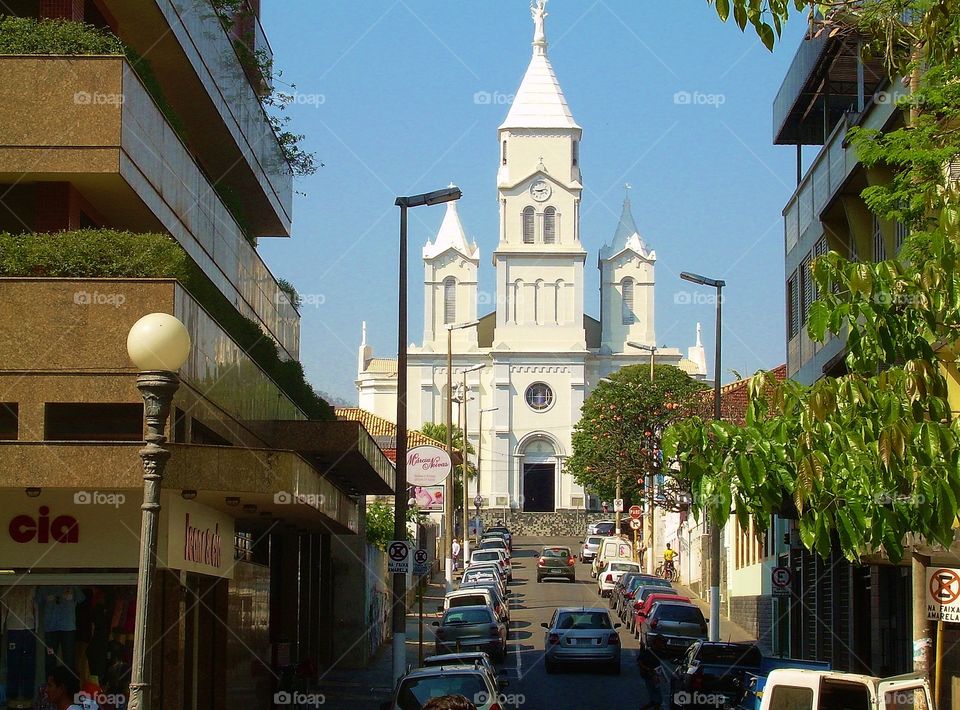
455, 548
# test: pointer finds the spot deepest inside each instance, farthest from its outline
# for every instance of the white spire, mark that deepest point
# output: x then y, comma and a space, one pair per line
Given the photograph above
697, 355
539, 102
451, 236
365, 353
627, 235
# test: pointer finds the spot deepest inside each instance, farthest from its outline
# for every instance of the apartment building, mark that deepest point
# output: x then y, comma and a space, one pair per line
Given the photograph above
138, 170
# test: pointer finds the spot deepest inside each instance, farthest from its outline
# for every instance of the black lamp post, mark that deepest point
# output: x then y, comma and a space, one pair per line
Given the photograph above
714, 528
399, 619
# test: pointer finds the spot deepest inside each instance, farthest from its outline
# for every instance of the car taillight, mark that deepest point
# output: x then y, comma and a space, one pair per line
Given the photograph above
628, 595
613, 639
554, 638
541, 562
637, 606
571, 561
653, 624
697, 680
610, 578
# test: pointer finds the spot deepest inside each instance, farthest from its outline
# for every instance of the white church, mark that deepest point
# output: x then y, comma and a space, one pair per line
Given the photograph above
536, 357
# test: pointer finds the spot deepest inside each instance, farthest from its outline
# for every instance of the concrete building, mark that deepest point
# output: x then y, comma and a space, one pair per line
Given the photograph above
156, 138
538, 352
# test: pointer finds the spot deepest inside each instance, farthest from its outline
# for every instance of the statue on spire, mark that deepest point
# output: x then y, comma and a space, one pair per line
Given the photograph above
538, 9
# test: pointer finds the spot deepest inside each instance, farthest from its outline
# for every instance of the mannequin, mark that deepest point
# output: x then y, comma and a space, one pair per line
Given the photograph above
18, 608
58, 607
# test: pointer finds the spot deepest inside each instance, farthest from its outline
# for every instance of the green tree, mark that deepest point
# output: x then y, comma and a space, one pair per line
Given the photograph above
866, 458
620, 427
438, 431
380, 521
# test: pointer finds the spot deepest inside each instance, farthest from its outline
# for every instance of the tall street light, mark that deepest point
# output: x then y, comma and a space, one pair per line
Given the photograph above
158, 344
448, 516
650, 533
399, 612
463, 465
617, 493
479, 498
714, 528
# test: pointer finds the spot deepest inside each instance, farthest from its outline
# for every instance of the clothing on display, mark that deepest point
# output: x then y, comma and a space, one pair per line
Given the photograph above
18, 607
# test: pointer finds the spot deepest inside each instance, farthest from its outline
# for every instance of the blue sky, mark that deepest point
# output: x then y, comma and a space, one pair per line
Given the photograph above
392, 98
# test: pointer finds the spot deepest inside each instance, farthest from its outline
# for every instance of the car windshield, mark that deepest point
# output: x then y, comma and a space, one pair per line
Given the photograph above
683, 613
414, 693
468, 600
730, 655
555, 552
467, 616
584, 620
623, 567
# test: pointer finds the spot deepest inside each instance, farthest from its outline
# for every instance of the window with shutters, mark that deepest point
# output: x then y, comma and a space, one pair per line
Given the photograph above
819, 249
626, 288
879, 248
806, 289
528, 225
793, 306
550, 225
449, 300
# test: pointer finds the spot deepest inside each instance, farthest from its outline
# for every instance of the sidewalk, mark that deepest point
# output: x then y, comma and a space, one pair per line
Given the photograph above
358, 688
729, 631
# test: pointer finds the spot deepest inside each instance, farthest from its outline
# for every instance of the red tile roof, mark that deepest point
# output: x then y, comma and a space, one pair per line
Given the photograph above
384, 432
734, 397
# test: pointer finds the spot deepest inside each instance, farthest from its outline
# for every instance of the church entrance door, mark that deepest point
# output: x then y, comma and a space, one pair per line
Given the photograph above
538, 487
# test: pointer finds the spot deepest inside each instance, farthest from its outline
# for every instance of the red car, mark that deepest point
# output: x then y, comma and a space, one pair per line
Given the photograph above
642, 609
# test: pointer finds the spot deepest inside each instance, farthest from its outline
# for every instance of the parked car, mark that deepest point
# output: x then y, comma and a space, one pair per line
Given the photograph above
589, 548
504, 531
476, 596
671, 627
418, 686
499, 534
642, 607
471, 628
626, 590
490, 555
611, 547
555, 561
579, 635
499, 596
495, 543
484, 574
711, 673
601, 527
467, 658
611, 572
827, 690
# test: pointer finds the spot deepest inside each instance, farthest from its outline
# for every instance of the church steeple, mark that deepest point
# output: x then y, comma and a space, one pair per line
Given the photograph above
451, 236
627, 235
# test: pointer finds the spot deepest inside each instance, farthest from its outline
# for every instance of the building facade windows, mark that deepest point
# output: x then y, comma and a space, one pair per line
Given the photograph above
449, 300
539, 396
550, 225
528, 216
793, 306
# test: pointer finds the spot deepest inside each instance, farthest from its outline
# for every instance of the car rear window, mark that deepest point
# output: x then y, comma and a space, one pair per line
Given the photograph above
648, 592
486, 556
584, 620
604, 528
679, 612
414, 693
467, 616
556, 552
622, 567
468, 600
493, 543
594, 540
730, 655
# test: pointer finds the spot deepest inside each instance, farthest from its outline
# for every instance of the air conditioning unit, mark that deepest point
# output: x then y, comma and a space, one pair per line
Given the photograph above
502, 502
576, 501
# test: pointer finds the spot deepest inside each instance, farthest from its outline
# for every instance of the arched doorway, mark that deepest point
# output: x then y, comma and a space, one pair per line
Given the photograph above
539, 476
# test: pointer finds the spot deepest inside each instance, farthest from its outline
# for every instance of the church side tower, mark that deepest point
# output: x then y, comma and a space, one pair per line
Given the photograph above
539, 258
626, 287
450, 265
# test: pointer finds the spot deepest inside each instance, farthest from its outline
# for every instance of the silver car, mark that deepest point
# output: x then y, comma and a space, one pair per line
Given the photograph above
467, 658
589, 548
420, 685
580, 635
471, 628
671, 627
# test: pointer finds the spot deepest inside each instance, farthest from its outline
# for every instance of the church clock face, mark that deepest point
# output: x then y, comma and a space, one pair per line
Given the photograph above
540, 190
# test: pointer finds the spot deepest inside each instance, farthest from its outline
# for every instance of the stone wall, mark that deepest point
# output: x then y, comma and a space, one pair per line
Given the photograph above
563, 523
755, 615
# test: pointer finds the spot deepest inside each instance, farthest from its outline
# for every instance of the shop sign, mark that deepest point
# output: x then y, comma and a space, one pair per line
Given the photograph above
199, 539
943, 594
63, 529
427, 466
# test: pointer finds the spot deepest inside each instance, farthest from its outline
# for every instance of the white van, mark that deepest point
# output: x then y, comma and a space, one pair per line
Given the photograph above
616, 546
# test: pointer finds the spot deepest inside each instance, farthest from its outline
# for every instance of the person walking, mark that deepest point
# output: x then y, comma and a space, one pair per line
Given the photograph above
648, 664
455, 548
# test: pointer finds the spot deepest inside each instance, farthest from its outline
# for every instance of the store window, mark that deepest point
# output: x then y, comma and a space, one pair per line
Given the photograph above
9, 420
83, 421
539, 396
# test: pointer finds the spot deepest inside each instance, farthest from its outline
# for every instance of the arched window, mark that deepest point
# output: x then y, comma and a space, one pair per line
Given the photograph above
627, 288
550, 225
528, 225
449, 300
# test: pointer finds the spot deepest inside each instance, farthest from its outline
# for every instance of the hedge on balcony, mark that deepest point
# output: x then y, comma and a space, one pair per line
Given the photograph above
106, 253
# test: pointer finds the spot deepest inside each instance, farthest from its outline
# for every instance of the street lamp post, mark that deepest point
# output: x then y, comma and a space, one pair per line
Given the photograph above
399, 612
463, 465
650, 532
714, 528
448, 516
479, 497
158, 344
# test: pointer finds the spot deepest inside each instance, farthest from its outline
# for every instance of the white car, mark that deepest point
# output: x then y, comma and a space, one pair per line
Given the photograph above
612, 572
493, 555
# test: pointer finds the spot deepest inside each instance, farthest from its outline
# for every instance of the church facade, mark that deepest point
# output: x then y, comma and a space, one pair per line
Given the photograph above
536, 356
